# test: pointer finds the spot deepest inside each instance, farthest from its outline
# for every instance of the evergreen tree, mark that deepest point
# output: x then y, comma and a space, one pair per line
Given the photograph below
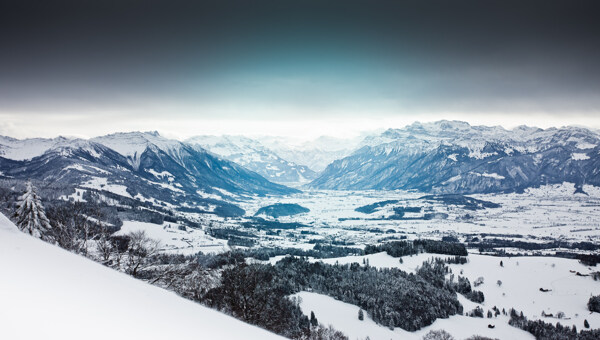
31, 216
594, 304
586, 324
361, 315
313, 319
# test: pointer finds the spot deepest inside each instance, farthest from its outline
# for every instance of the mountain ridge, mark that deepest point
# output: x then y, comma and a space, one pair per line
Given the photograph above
455, 157
253, 155
147, 167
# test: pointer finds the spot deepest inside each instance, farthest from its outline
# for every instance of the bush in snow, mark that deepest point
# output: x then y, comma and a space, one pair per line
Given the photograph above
140, 252
325, 333
438, 335
476, 313
313, 319
594, 304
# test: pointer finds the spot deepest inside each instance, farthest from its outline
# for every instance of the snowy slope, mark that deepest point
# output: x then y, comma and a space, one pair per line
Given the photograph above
344, 317
24, 149
174, 239
522, 278
157, 155
133, 144
49, 293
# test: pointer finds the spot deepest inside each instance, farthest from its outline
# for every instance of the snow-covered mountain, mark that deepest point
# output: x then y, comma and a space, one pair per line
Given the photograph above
49, 293
254, 156
141, 166
455, 157
317, 154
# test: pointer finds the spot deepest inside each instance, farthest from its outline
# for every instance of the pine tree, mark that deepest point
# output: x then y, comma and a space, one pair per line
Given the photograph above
30, 215
361, 315
313, 320
586, 324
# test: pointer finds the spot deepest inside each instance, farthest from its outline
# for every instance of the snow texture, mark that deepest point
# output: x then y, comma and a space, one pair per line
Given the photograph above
49, 293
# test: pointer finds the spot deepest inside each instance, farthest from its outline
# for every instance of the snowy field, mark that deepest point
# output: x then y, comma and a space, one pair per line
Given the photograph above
522, 278
344, 317
550, 213
49, 293
175, 238
383, 260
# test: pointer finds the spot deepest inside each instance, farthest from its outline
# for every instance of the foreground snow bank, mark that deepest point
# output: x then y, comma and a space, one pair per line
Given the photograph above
49, 293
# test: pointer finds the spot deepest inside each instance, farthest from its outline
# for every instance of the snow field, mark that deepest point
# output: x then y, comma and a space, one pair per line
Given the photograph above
344, 317
522, 278
49, 293
174, 240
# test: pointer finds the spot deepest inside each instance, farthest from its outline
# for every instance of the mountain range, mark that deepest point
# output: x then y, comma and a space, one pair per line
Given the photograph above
455, 157
139, 165
208, 174
317, 154
254, 156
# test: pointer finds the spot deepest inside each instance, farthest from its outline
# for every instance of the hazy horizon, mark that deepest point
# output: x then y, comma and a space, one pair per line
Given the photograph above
276, 133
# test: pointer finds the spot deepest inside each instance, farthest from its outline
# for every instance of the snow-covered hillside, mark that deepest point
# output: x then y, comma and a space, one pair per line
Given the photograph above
521, 279
22, 149
344, 317
254, 156
176, 238
49, 293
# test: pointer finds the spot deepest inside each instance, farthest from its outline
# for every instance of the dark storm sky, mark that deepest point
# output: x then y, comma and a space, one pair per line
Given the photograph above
291, 60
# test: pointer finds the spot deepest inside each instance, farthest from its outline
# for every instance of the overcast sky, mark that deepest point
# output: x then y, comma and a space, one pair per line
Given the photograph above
303, 68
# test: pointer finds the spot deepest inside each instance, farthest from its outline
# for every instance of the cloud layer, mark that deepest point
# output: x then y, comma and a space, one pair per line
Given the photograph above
76, 62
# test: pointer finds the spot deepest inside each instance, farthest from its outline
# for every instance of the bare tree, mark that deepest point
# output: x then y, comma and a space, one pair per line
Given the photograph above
141, 249
74, 227
104, 245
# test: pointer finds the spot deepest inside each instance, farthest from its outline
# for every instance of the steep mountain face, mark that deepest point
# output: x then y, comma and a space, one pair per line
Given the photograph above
455, 157
140, 166
252, 155
205, 170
